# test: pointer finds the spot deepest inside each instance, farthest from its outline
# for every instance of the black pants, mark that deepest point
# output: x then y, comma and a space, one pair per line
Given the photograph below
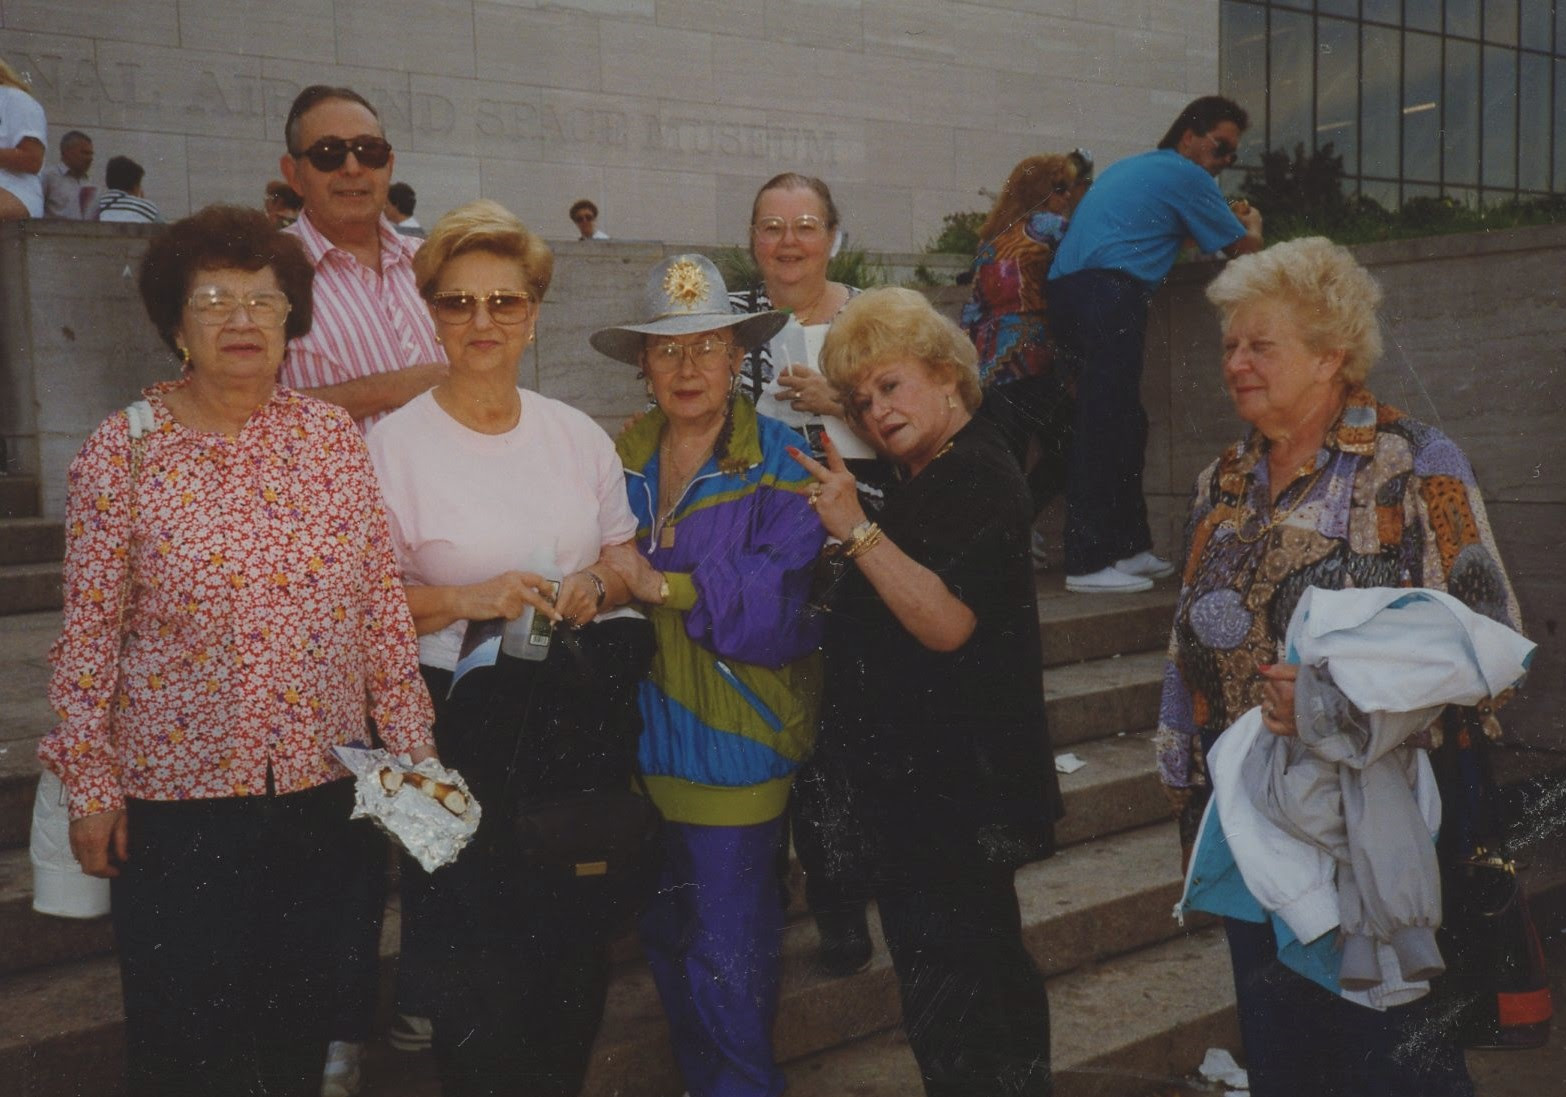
974, 1005
1035, 409
1100, 321
224, 915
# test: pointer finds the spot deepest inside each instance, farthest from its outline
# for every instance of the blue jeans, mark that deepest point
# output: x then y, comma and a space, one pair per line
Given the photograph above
1100, 319
1301, 1040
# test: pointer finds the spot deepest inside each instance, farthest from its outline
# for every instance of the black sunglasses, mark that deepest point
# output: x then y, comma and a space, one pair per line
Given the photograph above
1222, 150
330, 153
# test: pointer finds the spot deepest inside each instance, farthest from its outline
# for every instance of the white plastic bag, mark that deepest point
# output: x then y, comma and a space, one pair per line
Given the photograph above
60, 887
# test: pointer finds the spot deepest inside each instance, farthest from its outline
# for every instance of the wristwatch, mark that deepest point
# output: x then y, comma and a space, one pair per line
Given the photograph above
598, 588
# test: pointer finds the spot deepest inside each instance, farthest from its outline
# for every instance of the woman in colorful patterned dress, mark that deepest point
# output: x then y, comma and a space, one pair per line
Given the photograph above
1008, 320
232, 613
1331, 488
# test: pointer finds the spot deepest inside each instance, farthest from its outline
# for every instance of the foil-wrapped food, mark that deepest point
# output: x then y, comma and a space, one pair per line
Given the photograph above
427, 808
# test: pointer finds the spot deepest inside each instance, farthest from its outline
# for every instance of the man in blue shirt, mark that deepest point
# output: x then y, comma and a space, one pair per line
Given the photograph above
1125, 235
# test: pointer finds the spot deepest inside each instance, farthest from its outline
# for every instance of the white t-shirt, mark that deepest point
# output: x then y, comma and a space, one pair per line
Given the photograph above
797, 342
22, 116
465, 506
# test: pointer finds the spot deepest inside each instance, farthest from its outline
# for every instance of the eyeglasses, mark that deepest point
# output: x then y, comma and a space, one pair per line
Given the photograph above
1222, 150
330, 153
505, 306
708, 354
213, 305
808, 228
583, 216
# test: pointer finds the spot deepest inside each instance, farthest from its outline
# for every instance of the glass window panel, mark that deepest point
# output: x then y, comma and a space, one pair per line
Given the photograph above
1560, 120
1421, 107
1560, 29
1337, 90
1385, 11
1500, 21
1533, 123
1536, 23
1422, 15
1381, 192
1381, 102
1289, 98
1338, 7
1244, 71
1460, 126
1420, 190
1463, 196
1462, 17
1500, 117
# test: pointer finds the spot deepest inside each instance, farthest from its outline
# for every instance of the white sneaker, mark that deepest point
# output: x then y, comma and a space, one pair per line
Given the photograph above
409, 1032
1146, 565
1108, 581
341, 1077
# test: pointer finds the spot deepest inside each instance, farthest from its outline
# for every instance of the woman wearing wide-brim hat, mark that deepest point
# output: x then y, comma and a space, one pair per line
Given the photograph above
727, 546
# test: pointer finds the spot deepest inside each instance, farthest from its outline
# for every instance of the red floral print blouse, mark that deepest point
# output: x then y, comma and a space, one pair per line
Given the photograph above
266, 619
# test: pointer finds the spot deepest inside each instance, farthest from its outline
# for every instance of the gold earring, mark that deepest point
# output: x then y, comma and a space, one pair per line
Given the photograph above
184, 355
951, 401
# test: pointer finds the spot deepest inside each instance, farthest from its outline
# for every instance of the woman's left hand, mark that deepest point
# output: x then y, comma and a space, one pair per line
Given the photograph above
806, 390
1277, 703
835, 495
577, 601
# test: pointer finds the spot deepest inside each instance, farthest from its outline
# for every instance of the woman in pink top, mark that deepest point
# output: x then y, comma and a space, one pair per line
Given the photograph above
232, 612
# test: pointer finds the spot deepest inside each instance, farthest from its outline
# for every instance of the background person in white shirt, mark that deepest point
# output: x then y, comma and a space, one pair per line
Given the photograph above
22, 133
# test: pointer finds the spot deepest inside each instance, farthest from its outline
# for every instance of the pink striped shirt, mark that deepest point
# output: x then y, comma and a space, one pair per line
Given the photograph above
364, 323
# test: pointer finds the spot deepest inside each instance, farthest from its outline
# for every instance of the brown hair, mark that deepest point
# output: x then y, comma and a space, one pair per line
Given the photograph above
222, 237
1201, 115
1027, 187
484, 225
792, 180
310, 97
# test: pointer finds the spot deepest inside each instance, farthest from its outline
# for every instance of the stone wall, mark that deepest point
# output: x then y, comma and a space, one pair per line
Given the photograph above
667, 113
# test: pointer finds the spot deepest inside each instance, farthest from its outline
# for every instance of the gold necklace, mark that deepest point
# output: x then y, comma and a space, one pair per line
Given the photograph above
1275, 517
669, 496
803, 315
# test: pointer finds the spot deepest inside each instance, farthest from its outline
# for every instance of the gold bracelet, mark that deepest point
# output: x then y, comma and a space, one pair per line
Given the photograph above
861, 540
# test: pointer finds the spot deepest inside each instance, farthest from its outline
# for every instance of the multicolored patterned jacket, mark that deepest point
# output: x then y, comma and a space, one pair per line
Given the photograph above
730, 705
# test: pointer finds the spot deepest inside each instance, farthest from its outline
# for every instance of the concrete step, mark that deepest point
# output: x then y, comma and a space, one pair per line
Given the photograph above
1074, 627
1103, 697
31, 940
1116, 1029
1088, 903
18, 496
28, 588
31, 541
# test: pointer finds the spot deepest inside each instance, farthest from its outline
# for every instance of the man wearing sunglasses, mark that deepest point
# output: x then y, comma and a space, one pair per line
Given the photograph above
1125, 235
372, 347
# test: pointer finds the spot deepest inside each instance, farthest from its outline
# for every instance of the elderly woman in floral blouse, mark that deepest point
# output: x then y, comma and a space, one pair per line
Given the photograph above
232, 612
1329, 488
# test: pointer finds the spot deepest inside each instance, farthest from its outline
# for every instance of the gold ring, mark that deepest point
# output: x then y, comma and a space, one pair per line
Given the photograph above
815, 495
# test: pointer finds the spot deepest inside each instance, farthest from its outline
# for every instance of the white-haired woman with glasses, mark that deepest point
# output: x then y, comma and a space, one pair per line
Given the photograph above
727, 551
232, 613
496, 492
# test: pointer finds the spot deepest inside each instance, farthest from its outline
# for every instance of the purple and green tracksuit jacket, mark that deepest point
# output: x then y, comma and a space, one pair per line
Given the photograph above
730, 705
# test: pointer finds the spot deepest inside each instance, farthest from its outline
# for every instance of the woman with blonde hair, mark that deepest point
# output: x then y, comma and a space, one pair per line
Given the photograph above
1008, 318
502, 501
932, 717
23, 132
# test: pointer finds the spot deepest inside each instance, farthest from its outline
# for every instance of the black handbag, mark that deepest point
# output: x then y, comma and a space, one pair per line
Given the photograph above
579, 824
1496, 972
